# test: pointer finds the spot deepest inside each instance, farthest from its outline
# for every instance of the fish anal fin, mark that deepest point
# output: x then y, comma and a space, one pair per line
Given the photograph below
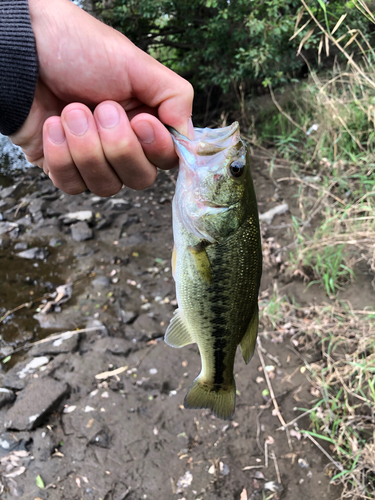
221, 401
202, 261
177, 334
248, 342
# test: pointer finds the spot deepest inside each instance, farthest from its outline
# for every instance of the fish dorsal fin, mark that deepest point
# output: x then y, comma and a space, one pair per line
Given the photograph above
177, 334
247, 344
202, 261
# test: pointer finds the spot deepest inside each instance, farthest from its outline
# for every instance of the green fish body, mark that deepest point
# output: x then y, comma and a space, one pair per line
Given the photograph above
216, 261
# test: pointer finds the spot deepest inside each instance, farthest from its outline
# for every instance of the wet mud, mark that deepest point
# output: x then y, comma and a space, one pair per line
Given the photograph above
97, 413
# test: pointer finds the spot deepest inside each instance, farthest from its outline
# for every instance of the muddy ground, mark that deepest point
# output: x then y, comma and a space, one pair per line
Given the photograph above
125, 434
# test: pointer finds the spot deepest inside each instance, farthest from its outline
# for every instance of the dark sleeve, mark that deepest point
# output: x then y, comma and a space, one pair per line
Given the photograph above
18, 64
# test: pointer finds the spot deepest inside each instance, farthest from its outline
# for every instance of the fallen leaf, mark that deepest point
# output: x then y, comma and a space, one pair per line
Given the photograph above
243, 495
16, 473
39, 482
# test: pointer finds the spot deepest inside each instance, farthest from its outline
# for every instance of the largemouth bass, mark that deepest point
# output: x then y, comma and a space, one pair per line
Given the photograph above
216, 261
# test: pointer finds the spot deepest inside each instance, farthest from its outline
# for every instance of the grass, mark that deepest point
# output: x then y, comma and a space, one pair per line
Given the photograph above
326, 133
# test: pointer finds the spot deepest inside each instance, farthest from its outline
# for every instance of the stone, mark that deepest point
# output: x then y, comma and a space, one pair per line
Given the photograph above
7, 227
36, 206
40, 397
128, 316
104, 223
6, 396
268, 216
20, 246
16, 378
68, 342
44, 443
117, 204
11, 191
34, 253
82, 216
55, 242
147, 325
81, 231
101, 282
25, 221
4, 243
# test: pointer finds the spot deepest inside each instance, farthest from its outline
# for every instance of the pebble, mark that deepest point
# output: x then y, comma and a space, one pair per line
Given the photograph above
82, 216
34, 253
81, 231
39, 398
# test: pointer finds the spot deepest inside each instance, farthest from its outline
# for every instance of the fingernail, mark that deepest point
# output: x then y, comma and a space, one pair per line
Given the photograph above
77, 121
108, 115
145, 132
191, 132
56, 133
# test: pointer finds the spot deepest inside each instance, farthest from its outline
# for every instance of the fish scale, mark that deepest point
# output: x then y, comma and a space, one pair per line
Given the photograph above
216, 263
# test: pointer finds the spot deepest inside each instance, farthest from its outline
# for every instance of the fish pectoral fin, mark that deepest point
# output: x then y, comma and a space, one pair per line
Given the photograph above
202, 261
247, 344
220, 400
177, 334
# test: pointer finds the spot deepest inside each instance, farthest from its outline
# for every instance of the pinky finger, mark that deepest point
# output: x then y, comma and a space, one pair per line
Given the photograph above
58, 162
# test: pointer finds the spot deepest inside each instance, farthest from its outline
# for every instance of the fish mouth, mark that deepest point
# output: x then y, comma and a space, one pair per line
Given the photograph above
208, 141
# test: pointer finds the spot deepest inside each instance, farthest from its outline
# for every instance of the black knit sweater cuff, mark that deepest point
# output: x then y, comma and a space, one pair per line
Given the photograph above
18, 65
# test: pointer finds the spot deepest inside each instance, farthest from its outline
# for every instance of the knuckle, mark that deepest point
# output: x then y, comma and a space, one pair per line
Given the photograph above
106, 191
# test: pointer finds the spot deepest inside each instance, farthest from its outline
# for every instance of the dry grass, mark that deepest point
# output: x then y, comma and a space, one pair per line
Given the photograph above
333, 167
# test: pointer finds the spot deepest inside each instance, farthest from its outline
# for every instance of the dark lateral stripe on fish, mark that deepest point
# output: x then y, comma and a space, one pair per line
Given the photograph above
219, 310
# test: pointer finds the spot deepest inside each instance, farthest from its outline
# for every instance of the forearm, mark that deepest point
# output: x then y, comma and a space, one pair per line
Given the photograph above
18, 65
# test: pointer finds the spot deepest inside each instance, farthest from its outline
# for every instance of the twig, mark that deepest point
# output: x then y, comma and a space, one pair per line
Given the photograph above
272, 358
111, 373
53, 337
336, 464
282, 428
317, 188
276, 406
273, 456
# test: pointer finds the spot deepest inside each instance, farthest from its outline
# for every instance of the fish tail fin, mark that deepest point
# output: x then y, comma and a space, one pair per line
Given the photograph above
220, 400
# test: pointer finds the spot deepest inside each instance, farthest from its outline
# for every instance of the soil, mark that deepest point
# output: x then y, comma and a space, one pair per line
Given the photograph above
126, 435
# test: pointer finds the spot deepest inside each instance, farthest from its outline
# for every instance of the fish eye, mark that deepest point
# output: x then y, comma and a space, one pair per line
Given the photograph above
236, 168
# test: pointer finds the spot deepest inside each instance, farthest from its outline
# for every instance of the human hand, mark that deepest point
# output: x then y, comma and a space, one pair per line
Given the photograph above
85, 65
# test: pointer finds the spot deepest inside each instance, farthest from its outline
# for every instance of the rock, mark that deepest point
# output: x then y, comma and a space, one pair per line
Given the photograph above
82, 216
10, 442
104, 223
268, 216
128, 316
36, 206
81, 231
68, 342
6, 396
101, 282
118, 346
8, 227
133, 240
117, 204
40, 397
34, 253
44, 443
11, 191
25, 221
4, 243
20, 246
95, 323
55, 242
16, 378
147, 325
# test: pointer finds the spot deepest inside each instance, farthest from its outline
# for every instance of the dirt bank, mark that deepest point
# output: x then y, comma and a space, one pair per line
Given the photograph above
125, 434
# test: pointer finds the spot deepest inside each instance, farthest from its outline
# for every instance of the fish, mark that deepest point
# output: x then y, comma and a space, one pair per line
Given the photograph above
216, 261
